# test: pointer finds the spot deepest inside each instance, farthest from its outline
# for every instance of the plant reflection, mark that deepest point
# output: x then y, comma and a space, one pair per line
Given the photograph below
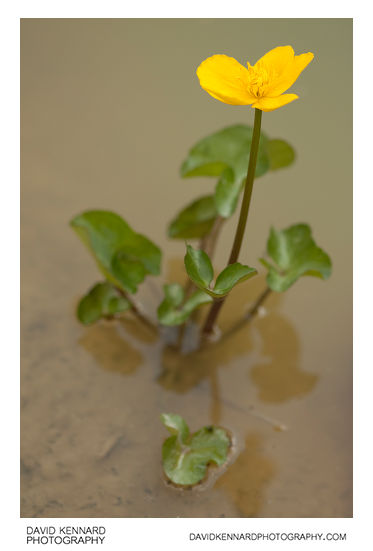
278, 377
109, 349
245, 480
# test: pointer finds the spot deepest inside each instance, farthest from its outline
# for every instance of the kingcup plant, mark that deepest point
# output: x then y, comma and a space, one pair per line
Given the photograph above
234, 156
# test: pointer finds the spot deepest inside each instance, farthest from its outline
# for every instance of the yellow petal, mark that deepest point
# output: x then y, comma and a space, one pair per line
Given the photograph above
289, 75
225, 79
277, 59
269, 104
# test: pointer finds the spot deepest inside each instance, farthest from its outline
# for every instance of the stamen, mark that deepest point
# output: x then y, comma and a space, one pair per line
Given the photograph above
259, 79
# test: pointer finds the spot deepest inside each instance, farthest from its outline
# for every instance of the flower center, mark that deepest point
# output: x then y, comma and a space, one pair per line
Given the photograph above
259, 79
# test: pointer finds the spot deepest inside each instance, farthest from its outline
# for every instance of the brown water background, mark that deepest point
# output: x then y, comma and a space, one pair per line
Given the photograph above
109, 110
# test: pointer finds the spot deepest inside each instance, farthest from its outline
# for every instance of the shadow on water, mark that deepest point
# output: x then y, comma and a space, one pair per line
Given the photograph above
111, 351
278, 376
245, 480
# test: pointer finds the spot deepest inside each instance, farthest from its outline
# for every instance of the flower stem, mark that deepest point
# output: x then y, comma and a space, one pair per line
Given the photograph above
240, 230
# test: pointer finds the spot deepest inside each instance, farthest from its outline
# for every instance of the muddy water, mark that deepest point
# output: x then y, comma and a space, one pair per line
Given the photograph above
109, 109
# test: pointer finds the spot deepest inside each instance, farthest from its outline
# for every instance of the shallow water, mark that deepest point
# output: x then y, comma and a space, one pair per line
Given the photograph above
92, 136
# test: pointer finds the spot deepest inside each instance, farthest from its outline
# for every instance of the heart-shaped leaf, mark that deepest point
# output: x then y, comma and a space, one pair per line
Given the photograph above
186, 457
102, 301
225, 154
122, 255
227, 148
171, 311
295, 254
195, 220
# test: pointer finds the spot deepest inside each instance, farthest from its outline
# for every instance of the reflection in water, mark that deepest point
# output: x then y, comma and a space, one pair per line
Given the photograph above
138, 330
180, 373
109, 348
246, 479
279, 377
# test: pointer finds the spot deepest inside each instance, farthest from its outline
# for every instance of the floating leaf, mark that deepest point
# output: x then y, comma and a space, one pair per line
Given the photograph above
186, 457
102, 301
123, 256
172, 312
295, 254
199, 268
195, 220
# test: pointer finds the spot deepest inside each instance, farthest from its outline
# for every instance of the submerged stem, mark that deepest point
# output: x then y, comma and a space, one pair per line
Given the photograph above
240, 230
250, 314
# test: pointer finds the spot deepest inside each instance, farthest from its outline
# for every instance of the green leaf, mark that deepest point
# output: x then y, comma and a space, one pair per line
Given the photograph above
231, 276
174, 293
102, 301
226, 154
195, 220
128, 271
197, 299
227, 148
176, 425
186, 457
122, 255
227, 193
281, 154
170, 312
198, 266
295, 254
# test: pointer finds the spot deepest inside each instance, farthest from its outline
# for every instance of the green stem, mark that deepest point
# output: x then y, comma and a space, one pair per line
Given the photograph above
240, 230
137, 311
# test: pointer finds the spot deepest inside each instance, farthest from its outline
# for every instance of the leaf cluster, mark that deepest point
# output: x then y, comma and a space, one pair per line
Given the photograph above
224, 155
174, 309
199, 268
123, 256
101, 301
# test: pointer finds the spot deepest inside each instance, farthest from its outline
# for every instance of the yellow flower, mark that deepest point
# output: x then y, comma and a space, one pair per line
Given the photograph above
260, 85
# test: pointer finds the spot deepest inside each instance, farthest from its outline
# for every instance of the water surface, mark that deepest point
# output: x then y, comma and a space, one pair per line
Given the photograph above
109, 110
